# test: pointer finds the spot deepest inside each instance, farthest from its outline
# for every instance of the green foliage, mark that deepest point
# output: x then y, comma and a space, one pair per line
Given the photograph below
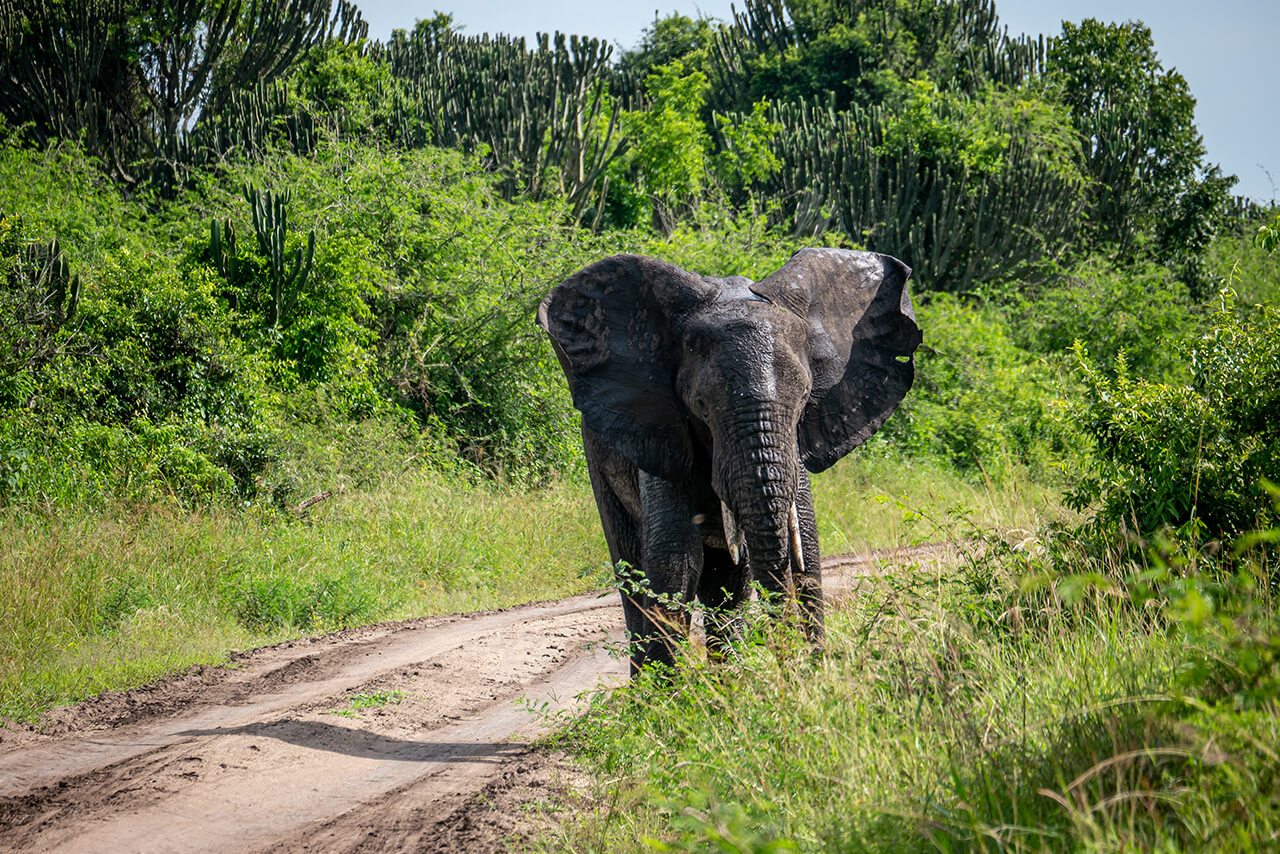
1141, 146
858, 53
980, 404
950, 709
38, 296
374, 700
1144, 312
669, 142
1268, 236
274, 602
864, 173
746, 156
622, 203
673, 38
1172, 454
60, 192
145, 391
287, 273
976, 131
540, 117
424, 280
718, 245
342, 81
109, 598
1241, 261
130, 79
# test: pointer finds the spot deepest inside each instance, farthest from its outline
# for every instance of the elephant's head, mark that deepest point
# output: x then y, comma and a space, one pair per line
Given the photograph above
762, 377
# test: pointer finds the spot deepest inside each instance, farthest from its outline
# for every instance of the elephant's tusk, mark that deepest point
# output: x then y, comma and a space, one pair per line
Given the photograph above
732, 534
793, 531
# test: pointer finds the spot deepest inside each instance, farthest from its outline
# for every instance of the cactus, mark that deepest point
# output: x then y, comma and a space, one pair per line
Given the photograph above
56, 289
131, 79
955, 42
288, 274
346, 24
225, 253
38, 297
955, 227
66, 73
538, 113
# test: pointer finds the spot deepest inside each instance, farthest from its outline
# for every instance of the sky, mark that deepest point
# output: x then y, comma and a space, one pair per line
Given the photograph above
1222, 48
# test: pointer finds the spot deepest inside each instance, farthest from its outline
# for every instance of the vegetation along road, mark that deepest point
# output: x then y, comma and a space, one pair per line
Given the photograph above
362, 740
271, 379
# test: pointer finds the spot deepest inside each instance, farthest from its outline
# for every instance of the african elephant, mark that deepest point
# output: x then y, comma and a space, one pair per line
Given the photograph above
700, 400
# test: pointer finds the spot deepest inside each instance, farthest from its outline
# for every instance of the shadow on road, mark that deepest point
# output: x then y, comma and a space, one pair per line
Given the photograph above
318, 735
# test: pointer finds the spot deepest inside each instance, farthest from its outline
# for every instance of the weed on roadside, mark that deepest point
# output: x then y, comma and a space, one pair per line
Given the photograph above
1028, 700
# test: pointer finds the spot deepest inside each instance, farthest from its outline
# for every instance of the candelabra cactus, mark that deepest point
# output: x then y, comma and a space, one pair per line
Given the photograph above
56, 289
225, 253
542, 115
287, 272
955, 225
38, 296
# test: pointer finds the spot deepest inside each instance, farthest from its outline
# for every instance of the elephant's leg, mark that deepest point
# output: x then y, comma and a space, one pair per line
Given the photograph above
614, 483
671, 560
723, 589
809, 580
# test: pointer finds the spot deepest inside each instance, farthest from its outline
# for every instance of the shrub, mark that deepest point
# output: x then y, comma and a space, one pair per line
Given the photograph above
1144, 312
1242, 261
1170, 453
980, 403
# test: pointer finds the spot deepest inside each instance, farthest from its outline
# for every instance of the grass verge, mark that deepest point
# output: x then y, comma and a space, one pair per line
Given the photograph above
952, 711
876, 500
96, 603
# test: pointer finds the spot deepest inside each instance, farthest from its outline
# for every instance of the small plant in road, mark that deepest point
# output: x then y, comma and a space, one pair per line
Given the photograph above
372, 700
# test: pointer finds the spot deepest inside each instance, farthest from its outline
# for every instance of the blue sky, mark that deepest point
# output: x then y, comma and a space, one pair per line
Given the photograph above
1223, 49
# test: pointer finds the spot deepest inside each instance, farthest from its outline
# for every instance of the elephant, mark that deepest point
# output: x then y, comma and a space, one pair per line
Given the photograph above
705, 402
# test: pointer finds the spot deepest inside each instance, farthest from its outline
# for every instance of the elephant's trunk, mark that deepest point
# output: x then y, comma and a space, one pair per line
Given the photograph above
760, 495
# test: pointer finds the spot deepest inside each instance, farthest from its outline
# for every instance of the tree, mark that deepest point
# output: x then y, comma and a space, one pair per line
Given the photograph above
131, 77
675, 37
670, 144
856, 52
1140, 143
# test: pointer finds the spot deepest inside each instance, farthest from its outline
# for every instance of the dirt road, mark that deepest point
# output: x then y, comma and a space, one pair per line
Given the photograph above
376, 739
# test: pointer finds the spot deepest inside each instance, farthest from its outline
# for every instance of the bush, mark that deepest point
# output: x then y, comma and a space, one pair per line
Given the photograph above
1241, 261
980, 404
1144, 312
1170, 453
139, 394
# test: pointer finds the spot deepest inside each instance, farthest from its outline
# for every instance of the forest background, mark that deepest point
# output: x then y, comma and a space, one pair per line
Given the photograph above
268, 365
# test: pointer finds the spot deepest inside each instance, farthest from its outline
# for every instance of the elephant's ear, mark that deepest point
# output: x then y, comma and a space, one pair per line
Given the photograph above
862, 337
614, 325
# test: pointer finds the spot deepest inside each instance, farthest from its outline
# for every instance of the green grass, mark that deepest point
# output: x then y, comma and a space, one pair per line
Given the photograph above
107, 602
96, 603
873, 500
373, 700
950, 713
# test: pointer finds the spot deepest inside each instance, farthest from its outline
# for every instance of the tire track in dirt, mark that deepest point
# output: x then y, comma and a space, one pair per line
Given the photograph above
270, 755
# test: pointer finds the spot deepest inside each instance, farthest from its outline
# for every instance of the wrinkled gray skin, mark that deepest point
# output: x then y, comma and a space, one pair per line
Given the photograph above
700, 394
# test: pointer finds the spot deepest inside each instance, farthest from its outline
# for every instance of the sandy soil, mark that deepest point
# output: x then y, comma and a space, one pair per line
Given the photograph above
270, 753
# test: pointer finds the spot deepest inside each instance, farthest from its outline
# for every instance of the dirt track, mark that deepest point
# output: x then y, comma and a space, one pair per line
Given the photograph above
257, 757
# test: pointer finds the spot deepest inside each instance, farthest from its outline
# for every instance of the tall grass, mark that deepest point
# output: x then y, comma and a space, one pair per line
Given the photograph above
877, 499
107, 601
951, 712
95, 602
